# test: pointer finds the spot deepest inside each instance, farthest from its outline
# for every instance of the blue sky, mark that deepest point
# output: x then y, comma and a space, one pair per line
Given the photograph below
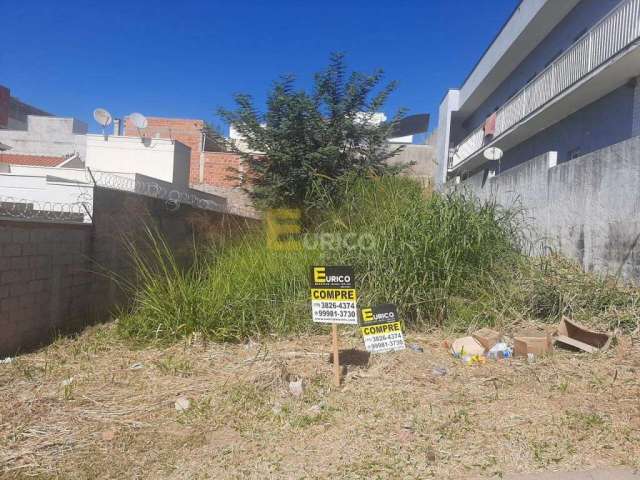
186, 58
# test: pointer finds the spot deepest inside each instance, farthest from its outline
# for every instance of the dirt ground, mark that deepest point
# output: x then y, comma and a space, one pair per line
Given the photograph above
93, 407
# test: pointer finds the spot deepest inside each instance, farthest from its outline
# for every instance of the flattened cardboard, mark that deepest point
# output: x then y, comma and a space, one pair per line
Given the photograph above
575, 335
467, 346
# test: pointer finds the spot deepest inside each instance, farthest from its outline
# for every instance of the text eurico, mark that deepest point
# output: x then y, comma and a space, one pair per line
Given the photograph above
284, 233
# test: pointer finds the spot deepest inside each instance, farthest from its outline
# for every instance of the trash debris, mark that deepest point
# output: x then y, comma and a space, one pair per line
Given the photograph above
276, 409
415, 347
487, 337
67, 382
464, 346
182, 404
315, 408
574, 336
439, 372
474, 359
406, 434
136, 366
500, 350
7, 360
296, 388
535, 344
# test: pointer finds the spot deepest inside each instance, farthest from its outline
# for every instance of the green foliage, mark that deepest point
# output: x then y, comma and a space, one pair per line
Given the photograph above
230, 293
311, 140
445, 260
430, 255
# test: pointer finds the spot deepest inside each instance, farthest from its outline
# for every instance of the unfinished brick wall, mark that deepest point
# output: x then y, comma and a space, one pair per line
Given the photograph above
52, 276
206, 168
184, 130
220, 169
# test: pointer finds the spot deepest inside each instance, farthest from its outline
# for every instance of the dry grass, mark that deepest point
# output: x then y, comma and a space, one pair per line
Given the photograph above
392, 419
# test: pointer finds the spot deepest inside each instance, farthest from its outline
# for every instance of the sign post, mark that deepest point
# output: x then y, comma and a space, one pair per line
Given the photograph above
336, 354
334, 301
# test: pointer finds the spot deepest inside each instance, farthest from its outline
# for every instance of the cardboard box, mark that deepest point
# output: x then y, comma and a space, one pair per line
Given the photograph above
487, 337
535, 344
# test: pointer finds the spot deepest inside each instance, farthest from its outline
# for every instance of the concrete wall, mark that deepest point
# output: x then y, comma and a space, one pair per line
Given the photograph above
604, 122
154, 157
45, 194
450, 104
51, 277
47, 136
423, 157
586, 208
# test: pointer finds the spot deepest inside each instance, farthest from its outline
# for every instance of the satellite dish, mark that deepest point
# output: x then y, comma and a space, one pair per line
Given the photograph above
493, 153
139, 121
102, 116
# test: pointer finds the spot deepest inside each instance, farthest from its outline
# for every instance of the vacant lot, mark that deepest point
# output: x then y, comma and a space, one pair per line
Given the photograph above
93, 407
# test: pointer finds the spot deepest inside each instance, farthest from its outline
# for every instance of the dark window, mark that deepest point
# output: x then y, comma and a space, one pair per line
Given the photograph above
575, 153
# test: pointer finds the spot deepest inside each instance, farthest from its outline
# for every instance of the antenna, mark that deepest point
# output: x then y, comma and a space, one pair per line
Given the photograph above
140, 122
493, 153
103, 117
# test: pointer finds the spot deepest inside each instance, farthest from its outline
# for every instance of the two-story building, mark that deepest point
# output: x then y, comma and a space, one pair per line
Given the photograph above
560, 75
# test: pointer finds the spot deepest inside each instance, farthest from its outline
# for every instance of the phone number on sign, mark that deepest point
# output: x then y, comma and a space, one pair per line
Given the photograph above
335, 313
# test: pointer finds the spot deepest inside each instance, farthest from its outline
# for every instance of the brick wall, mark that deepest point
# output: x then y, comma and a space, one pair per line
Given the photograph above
206, 168
219, 168
186, 131
52, 276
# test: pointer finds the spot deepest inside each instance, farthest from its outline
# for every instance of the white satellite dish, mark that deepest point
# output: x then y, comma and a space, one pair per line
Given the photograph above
493, 153
102, 116
139, 121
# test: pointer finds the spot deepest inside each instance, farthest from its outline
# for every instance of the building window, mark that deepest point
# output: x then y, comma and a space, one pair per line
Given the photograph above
575, 153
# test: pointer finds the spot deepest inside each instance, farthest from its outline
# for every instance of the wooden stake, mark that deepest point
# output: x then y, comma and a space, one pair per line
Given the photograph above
336, 355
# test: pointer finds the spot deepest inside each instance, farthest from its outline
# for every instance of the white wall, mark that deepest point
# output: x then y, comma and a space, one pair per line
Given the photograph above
153, 157
449, 104
47, 195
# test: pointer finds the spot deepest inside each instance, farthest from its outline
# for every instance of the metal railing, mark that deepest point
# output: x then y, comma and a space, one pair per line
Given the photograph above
609, 36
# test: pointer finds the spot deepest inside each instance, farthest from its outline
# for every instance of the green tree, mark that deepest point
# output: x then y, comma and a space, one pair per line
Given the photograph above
314, 143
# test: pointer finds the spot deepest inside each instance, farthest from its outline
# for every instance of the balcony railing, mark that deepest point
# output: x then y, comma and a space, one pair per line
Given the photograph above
609, 36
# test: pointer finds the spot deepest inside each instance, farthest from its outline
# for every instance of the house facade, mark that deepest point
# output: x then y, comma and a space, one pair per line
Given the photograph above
559, 76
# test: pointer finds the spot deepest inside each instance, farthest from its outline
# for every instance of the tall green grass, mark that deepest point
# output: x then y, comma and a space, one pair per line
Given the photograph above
445, 260
231, 292
432, 253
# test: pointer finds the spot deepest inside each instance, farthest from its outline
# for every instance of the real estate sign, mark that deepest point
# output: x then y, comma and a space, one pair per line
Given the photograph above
333, 295
381, 329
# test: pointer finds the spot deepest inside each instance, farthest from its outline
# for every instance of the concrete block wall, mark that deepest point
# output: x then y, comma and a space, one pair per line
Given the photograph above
586, 208
58, 278
44, 281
